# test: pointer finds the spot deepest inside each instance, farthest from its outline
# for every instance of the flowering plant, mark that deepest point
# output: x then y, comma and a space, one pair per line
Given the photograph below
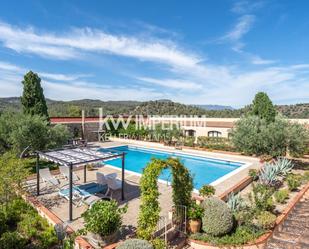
195, 211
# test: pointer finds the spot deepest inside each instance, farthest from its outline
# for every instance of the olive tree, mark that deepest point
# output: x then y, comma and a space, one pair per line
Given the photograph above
253, 135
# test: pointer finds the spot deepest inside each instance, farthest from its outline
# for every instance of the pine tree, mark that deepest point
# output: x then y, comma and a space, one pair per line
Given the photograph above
33, 100
263, 107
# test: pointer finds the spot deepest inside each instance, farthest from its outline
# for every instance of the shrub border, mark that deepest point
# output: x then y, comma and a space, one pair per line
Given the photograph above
53, 219
259, 242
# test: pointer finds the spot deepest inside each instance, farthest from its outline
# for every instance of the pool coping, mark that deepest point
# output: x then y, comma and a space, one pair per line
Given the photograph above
213, 183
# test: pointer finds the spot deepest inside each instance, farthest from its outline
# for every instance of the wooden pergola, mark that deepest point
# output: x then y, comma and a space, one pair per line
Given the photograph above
77, 157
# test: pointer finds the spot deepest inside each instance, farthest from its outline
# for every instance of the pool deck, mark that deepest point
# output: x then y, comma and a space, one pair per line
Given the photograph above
60, 207
50, 198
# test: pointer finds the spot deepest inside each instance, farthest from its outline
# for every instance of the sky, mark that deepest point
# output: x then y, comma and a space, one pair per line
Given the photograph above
193, 52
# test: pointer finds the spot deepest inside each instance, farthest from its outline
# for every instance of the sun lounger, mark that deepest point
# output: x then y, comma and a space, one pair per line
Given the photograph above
83, 192
48, 178
65, 171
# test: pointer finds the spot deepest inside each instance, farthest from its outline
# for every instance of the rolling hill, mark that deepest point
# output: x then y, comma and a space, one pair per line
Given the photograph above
158, 107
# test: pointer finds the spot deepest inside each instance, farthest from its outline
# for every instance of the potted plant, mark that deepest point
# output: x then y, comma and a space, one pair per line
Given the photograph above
103, 220
207, 191
195, 213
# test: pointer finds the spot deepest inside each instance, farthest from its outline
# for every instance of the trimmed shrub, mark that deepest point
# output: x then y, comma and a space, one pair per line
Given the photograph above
218, 218
293, 181
281, 195
266, 220
135, 244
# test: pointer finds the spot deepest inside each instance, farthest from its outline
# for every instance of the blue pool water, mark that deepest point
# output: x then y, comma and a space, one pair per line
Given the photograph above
204, 170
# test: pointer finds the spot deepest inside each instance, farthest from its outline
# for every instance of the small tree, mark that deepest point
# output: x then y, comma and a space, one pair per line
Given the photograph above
30, 131
33, 99
58, 136
12, 172
263, 107
253, 135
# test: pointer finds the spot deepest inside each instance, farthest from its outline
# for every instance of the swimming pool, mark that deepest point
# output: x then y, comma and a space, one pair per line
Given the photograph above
204, 170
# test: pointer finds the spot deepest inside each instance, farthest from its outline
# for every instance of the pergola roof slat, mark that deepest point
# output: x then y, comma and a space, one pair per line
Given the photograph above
78, 156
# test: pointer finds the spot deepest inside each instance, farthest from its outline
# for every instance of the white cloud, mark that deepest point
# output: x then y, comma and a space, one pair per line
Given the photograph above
242, 27
62, 77
220, 85
257, 60
243, 7
77, 41
173, 83
187, 79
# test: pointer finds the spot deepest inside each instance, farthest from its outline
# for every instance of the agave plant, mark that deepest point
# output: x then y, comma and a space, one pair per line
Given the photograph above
269, 175
283, 166
271, 172
235, 202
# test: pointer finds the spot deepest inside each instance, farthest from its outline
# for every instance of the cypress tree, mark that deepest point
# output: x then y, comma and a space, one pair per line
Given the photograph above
33, 100
263, 107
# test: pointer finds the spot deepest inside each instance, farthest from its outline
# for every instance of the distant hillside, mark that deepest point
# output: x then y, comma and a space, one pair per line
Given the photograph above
295, 111
215, 107
159, 107
166, 108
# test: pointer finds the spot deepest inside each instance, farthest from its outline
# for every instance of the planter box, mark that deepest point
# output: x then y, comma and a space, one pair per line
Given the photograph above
261, 241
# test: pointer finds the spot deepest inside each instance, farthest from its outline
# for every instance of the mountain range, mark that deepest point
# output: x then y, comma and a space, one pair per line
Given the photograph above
158, 107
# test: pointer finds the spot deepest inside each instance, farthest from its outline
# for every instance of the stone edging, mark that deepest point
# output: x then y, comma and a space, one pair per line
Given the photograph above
260, 242
53, 219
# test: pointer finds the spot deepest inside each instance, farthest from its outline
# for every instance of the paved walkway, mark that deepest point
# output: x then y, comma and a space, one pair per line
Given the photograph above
293, 233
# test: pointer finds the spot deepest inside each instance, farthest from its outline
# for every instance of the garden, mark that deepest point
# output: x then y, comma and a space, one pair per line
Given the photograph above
247, 215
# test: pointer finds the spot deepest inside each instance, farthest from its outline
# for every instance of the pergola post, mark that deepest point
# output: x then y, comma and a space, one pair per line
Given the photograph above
37, 175
85, 173
71, 192
122, 176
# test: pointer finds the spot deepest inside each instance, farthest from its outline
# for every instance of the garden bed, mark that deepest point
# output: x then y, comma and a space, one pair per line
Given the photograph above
285, 196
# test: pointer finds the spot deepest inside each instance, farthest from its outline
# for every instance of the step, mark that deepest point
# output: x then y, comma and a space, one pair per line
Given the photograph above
300, 215
287, 236
178, 242
297, 230
295, 222
279, 244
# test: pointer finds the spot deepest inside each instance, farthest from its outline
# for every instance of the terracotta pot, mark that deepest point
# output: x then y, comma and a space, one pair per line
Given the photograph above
101, 241
195, 226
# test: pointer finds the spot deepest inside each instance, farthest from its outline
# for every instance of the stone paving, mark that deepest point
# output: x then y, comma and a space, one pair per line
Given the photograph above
60, 206
293, 233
